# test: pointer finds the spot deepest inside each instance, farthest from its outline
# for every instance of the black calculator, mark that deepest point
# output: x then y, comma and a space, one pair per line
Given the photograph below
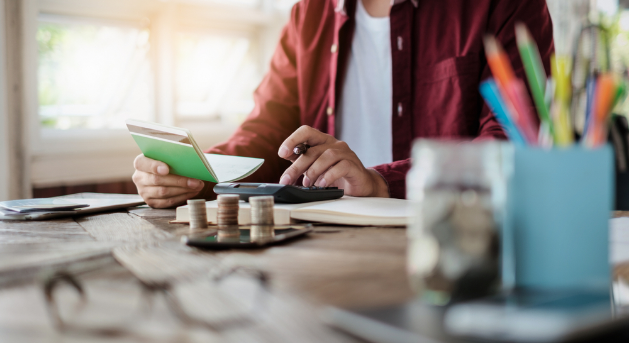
281, 193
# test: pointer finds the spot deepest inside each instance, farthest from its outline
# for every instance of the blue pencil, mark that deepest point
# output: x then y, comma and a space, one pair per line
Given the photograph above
491, 94
590, 86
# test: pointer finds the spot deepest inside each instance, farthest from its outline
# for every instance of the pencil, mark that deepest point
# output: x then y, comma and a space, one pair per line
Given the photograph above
512, 89
605, 93
560, 66
534, 70
490, 92
516, 91
498, 61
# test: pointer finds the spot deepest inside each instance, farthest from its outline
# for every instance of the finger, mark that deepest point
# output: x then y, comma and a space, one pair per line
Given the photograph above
305, 134
301, 164
328, 159
170, 202
171, 180
145, 164
335, 173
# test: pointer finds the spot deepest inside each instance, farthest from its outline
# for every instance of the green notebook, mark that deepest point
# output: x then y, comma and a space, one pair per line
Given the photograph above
176, 147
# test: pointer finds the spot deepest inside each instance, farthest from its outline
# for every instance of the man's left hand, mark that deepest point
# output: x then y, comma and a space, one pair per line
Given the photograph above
329, 163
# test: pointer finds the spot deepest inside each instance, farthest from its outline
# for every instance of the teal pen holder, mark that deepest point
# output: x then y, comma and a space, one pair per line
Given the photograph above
559, 206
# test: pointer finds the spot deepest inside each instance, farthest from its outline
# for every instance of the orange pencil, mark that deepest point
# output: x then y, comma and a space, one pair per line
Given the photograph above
498, 61
512, 89
604, 95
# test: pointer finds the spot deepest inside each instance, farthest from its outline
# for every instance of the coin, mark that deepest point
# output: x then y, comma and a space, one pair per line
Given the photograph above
261, 233
228, 210
198, 214
262, 210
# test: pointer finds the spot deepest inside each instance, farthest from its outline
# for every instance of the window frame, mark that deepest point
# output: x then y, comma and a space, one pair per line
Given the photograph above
5, 168
80, 156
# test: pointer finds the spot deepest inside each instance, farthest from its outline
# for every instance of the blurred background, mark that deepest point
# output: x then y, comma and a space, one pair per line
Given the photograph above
71, 71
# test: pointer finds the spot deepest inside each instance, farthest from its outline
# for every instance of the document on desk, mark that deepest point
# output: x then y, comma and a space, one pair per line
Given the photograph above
359, 211
96, 205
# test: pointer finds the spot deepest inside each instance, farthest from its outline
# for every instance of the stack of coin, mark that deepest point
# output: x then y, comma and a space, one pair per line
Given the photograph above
261, 210
198, 214
228, 234
261, 233
228, 210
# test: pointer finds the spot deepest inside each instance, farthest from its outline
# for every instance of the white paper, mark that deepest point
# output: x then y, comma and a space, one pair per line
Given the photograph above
357, 211
619, 230
231, 168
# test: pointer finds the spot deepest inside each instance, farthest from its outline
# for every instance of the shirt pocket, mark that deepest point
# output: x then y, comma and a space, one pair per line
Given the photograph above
447, 98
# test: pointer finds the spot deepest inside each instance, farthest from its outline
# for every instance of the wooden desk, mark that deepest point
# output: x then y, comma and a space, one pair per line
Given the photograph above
340, 266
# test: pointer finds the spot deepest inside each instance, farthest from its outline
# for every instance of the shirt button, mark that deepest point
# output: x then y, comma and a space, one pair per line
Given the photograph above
334, 48
329, 111
400, 40
399, 109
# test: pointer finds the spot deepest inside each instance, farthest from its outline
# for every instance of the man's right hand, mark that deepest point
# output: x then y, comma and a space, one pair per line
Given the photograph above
160, 189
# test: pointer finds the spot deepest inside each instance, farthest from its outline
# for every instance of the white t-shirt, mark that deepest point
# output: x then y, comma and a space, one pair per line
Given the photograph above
364, 120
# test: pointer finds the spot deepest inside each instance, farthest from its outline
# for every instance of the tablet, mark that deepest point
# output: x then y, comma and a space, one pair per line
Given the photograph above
249, 237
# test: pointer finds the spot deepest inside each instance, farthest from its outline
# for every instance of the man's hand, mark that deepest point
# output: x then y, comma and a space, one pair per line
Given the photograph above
160, 189
329, 163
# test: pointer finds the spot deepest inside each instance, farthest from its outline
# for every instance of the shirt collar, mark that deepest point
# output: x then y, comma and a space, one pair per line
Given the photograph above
340, 5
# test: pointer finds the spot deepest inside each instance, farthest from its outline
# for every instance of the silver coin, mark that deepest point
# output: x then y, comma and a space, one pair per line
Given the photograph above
198, 214
228, 210
261, 210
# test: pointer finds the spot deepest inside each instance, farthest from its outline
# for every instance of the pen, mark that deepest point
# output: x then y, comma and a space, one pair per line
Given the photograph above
301, 149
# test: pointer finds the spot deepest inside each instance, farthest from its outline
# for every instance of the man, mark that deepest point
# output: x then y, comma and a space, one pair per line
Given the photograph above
358, 80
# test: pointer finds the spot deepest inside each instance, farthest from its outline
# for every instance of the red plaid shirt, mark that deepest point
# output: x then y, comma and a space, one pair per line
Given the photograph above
438, 62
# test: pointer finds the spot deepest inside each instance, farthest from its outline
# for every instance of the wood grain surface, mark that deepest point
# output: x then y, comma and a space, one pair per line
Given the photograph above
110, 252
121, 227
165, 263
57, 230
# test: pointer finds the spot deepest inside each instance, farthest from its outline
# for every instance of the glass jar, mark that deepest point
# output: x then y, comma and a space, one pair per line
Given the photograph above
458, 196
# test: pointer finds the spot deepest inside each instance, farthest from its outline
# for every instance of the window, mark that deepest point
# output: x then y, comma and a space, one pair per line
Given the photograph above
215, 76
92, 64
92, 76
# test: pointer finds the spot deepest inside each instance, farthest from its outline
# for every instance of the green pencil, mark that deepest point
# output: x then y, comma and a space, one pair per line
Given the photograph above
534, 71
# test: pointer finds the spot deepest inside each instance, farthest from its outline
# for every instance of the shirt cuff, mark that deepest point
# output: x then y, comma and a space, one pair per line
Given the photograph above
383, 178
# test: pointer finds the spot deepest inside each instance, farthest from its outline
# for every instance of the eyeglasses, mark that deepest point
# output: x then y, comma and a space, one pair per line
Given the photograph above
127, 319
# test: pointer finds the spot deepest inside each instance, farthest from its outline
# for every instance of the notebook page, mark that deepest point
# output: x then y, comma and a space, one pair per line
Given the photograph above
357, 210
232, 168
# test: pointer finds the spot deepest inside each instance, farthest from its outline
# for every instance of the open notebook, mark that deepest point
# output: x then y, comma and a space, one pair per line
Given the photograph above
176, 147
344, 211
